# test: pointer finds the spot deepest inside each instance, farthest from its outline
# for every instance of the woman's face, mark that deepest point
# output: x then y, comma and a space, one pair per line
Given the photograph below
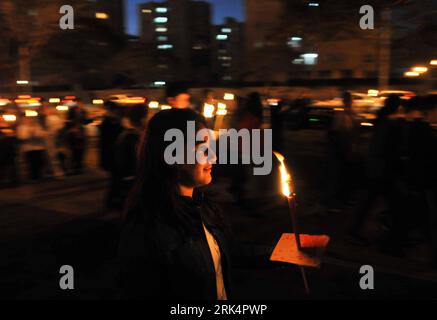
199, 174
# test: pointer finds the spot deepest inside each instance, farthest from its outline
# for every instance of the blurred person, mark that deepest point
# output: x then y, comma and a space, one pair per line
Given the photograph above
431, 109
175, 242
341, 144
249, 115
383, 176
126, 151
32, 138
277, 120
178, 96
8, 155
76, 120
109, 131
42, 112
252, 114
431, 187
53, 124
418, 156
63, 150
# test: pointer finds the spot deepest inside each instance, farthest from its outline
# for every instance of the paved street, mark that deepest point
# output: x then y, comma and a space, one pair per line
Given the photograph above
53, 223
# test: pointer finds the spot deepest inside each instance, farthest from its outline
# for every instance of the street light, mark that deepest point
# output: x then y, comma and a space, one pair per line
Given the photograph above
411, 74
208, 110
419, 70
154, 105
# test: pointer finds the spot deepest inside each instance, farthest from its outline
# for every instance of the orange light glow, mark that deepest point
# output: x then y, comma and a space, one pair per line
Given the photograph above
31, 113
222, 112
411, 74
208, 110
98, 101
420, 69
373, 93
154, 105
229, 96
62, 108
132, 100
273, 102
9, 117
102, 15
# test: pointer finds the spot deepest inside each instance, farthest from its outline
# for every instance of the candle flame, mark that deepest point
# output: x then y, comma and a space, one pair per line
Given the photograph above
286, 180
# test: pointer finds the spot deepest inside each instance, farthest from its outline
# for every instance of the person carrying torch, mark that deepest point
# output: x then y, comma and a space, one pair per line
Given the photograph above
175, 243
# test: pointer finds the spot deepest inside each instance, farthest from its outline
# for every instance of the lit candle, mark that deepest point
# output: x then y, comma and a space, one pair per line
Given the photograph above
287, 189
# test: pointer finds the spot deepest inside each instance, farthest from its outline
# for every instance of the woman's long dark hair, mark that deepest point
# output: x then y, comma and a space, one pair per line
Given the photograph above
156, 189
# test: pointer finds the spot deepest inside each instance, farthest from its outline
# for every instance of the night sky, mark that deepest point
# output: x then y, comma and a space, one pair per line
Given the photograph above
222, 8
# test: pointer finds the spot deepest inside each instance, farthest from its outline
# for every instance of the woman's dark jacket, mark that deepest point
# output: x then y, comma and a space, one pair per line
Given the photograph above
161, 260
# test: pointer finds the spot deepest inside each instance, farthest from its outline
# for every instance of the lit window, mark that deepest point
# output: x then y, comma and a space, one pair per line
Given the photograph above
161, 29
146, 11
165, 46
309, 58
298, 61
227, 78
162, 38
159, 83
160, 19
225, 58
313, 4
161, 10
226, 65
226, 30
222, 37
295, 42
102, 15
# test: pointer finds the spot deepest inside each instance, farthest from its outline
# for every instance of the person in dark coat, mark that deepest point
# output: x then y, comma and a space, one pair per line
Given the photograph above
418, 154
383, 176
77, 119
277, 121
126, 149
341, 147
249, 115
175, 243
109, 131
178, 96
8, 155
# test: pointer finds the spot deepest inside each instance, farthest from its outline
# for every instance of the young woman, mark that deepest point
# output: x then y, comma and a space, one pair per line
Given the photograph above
174, 243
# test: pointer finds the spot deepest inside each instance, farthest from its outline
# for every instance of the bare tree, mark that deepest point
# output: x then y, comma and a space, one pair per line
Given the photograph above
28, 24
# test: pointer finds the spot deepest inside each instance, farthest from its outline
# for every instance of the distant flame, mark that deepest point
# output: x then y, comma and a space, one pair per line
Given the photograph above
286, 180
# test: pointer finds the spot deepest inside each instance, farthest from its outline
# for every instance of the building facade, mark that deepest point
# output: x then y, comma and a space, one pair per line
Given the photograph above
284, 43
228, 51
180, 33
